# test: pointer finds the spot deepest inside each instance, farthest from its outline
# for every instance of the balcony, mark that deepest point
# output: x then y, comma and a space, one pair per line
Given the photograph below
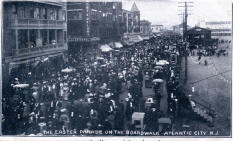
25, 53
38, 23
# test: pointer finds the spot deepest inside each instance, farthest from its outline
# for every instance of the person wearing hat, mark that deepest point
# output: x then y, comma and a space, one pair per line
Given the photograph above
129, 109
147, 79
151, 119
64, 118
107, 125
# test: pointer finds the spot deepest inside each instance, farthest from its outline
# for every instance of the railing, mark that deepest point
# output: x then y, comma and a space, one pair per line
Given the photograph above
201, 103
38, 22
29, 51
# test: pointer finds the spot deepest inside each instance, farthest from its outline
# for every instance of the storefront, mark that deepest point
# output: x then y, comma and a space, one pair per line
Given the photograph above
79, 46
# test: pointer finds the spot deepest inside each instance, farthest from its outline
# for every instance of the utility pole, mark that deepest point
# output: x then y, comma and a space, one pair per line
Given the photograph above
185, 14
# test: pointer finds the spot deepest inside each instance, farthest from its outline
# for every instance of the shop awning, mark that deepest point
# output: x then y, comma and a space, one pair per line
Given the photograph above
118, 45
105, 48
132, 39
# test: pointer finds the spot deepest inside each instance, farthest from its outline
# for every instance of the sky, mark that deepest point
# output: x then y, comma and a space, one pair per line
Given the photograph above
166, 12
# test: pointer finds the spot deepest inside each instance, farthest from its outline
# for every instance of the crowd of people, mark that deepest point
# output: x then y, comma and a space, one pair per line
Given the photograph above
84, 93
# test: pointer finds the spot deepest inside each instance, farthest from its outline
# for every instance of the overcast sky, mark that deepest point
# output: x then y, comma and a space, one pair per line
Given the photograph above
166, 11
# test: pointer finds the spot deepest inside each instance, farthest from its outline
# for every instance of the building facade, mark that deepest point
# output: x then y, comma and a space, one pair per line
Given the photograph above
32, 30
92, 22
131, 19
199, 36
178, 29
145, 27
157, 28
220, 29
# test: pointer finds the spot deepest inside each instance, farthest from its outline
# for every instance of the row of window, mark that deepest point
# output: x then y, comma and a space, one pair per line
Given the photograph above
47, 37
75, 15
78, 15
39, 13
220, 34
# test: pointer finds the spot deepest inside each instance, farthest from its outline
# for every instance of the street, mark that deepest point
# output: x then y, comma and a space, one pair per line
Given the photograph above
215, 90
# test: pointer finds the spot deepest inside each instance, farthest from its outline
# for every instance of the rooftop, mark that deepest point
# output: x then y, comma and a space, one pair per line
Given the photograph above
134, 8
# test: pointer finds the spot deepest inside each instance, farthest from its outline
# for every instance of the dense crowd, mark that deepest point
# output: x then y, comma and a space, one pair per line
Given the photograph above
84, 93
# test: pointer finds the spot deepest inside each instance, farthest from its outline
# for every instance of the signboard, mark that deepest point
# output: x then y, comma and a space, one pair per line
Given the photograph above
80, 39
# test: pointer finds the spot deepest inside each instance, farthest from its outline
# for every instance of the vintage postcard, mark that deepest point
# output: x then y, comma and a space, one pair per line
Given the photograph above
116, 68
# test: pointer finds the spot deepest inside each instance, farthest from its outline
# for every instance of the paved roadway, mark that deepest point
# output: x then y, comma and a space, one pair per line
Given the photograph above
215, 90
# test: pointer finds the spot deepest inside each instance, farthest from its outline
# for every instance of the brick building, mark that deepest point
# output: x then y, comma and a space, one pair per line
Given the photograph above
131, 19
90, 23
32, 31
145, 27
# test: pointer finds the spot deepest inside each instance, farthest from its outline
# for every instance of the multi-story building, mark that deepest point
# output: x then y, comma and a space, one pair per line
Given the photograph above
131, 19
136, 18
127, 20
157, 28
92, 22
179, 28
199, 36
32, 31
220, 29
131, 28
145, 27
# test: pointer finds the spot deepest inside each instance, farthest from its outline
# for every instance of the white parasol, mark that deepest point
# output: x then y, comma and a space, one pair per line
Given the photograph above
105, 48
158, 67
118, 45
162, 62
21, 86
158, 80
67, 70
99, 58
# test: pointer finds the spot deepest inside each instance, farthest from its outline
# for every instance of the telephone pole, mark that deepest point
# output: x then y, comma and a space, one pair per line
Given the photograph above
185, 14
185, 5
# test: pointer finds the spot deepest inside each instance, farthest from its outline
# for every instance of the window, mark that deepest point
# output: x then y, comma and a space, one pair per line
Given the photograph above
65, 36
53, 14
80, 15
43, 13
27, 13
31, 12
63, 15
14, 10
21, 12
57, 15
36, 13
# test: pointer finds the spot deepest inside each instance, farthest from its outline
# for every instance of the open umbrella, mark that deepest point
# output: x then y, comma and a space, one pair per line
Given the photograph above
158, 80
164, 61
158, 67
118, 45
99, 58
21, 86
160, 63
105, 48
67, 70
